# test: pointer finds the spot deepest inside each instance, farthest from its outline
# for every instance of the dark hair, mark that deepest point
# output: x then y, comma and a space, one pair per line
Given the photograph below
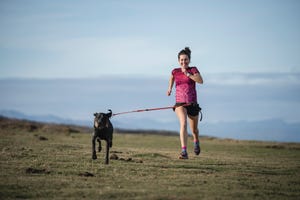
185, 51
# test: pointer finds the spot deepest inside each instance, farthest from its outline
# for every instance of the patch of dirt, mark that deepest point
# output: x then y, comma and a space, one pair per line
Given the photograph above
86, 174
42, 138
275, 147
126, 159
289, 146
116, 152
116, 157
31, 170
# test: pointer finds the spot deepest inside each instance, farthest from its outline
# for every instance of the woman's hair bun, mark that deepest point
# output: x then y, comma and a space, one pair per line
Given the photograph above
187, 50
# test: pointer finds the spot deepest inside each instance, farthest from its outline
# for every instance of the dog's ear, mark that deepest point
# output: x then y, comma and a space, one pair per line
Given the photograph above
109, 114
95, 114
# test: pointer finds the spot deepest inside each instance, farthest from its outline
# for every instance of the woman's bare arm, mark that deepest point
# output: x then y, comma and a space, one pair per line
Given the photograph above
171, 82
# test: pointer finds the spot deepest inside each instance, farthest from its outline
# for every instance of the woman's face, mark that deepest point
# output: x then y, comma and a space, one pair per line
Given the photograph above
184, 61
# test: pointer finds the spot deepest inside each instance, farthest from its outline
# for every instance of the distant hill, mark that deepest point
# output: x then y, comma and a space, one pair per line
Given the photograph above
10, 125
265, 130
13, 124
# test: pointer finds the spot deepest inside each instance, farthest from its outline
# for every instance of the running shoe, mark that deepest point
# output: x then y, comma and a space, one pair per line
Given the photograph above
183, 155
197, 149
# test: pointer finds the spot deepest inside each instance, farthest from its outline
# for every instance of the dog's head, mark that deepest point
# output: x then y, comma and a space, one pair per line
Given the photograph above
102, 119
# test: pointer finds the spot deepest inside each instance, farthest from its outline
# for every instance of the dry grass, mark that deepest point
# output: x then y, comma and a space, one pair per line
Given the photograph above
148, 168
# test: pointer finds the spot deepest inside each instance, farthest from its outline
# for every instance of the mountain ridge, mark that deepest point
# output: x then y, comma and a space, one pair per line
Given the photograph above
264, 130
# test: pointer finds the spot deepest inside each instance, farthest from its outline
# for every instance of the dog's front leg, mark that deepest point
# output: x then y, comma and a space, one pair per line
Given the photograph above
99, 147
107, 152
110, 143
94, 156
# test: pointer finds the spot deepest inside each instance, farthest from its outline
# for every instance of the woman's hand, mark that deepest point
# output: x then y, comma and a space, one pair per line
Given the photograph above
169, 92
197, 78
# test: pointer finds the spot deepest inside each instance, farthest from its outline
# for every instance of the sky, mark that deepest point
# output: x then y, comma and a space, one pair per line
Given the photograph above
83, 39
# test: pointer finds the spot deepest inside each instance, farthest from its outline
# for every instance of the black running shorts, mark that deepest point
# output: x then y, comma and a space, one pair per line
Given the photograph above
192, 109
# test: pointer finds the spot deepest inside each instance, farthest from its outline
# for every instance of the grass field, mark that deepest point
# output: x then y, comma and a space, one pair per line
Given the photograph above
54, 162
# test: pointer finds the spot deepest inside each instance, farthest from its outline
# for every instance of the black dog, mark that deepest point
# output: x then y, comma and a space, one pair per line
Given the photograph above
103, 130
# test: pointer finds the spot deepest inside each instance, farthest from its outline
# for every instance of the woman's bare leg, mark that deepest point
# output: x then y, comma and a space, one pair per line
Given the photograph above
193, 121
182, 116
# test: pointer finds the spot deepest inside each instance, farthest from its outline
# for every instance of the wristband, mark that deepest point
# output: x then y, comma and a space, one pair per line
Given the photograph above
188, 74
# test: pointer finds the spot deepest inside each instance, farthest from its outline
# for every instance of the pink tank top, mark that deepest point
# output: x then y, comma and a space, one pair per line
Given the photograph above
185, 87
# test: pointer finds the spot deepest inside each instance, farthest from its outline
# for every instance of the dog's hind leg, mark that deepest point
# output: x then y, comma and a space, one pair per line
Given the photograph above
107, 153
94, 156
99, 147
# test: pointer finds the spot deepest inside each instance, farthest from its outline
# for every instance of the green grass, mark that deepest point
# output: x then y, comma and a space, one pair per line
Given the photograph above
149, 168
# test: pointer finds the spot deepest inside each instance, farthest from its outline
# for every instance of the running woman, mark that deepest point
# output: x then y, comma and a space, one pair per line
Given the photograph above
186, 107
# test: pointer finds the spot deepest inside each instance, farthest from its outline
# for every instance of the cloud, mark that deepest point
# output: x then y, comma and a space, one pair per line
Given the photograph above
92, 56
271, 79
59, 39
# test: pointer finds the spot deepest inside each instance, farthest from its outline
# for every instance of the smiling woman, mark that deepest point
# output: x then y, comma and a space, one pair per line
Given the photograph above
186, 106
